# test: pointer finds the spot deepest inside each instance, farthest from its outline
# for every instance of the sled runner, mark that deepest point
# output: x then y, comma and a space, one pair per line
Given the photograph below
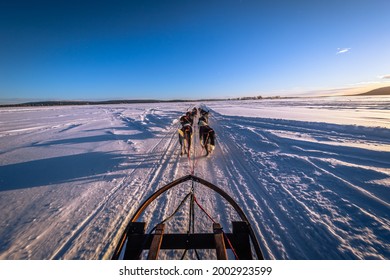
242, 241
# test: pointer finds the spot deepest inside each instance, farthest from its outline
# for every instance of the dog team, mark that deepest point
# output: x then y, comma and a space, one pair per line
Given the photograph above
206, 133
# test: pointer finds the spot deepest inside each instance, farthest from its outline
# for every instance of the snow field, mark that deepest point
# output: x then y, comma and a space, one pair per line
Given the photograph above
71, 177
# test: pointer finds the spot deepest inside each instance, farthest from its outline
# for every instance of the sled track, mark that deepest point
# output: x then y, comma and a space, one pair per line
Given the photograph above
166, 146
274, 203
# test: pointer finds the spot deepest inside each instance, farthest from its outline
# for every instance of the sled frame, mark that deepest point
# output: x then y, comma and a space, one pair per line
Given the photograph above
134, 239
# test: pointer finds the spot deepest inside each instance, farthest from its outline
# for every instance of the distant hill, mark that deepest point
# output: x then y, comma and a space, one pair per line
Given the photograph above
378, 91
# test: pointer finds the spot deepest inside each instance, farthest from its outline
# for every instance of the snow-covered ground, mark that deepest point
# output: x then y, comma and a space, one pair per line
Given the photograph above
312, 175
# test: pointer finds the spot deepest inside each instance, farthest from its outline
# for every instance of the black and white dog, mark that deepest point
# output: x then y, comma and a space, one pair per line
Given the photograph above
204, 114
185, 135
206, 135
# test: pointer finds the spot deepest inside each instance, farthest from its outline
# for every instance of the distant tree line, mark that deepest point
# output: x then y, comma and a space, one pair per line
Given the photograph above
259, 97
130, 101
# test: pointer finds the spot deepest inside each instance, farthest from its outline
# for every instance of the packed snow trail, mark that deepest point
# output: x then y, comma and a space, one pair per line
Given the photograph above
311, 190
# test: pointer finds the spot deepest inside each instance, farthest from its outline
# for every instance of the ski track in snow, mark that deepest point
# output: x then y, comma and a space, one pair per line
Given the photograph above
71, 178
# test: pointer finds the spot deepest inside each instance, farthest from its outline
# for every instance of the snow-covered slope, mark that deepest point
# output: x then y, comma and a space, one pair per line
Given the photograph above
71, 177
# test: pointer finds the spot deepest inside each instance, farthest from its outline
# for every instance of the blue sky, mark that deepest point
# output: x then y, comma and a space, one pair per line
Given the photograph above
190, 49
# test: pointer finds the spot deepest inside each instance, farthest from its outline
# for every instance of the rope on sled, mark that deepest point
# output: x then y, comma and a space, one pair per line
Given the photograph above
223, 232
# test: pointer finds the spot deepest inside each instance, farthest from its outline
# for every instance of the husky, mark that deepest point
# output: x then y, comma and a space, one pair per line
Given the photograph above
204, 114
185, 137
194, 112
207, 138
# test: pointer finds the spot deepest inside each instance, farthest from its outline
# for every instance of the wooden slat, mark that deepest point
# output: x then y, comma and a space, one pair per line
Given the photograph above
156, 242
188, 241
176, 241
219, 242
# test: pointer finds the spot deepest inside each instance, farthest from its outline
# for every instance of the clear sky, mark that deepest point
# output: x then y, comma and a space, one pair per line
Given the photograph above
68, 49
